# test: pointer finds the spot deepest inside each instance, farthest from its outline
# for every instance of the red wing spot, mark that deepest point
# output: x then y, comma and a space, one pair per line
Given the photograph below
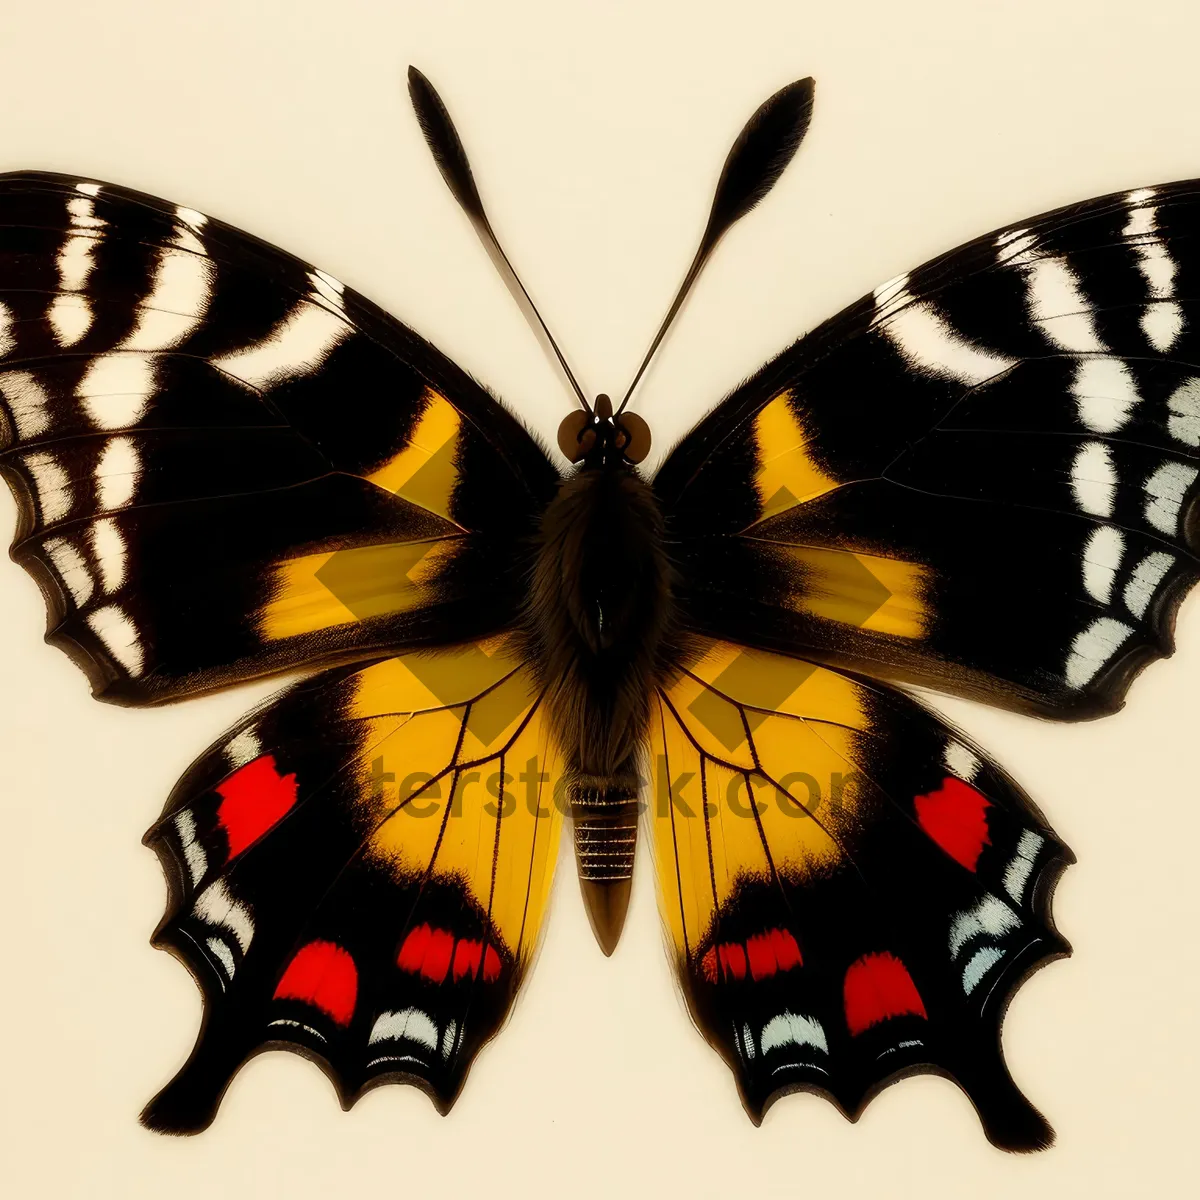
438, 954
787, 953
322, 974
955, 816
491, 965
733, 959
412, 953
253, 799
434, 954
878, 986
708, 965
467, 957
761, 955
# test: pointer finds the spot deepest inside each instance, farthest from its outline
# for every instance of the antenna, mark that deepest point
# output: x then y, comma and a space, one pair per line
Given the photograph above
447, 150
757, 159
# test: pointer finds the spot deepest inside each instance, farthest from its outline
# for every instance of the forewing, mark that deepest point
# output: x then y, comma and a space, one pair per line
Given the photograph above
358, 872
852, 890
226, 463
980, 478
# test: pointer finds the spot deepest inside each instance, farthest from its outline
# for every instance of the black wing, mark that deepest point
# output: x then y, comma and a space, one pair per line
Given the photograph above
980, 478
853, 891
226, 462
357, 874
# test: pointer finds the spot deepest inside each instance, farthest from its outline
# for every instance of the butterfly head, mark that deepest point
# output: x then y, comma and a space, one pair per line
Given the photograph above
600, 439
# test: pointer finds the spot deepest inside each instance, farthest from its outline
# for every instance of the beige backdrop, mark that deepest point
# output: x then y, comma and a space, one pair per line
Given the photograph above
597, 131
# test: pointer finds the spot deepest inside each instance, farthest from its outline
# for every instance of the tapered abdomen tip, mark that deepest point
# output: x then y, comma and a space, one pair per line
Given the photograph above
605, 845
606, 904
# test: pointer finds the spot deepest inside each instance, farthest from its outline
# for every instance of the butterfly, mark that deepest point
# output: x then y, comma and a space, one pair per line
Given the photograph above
979, 479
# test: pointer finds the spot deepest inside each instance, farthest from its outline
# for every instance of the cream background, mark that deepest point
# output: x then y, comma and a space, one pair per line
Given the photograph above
596, 132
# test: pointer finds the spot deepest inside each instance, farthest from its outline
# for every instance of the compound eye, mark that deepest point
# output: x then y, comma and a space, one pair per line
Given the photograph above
637, 437
575, 437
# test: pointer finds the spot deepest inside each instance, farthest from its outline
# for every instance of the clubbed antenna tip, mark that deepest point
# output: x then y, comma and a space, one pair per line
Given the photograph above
447, 149
767, 143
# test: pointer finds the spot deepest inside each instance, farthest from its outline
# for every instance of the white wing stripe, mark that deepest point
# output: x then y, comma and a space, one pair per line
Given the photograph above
298, 345
927, 341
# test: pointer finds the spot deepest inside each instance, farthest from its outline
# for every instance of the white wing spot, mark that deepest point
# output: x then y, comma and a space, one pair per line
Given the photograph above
114, 627
243, 748
52, 485
410, 1023
1105, 393
1142, 584
1162, 323
1059, 307
1183, 412
980, 963
1165, 492
193, 851
116, 389
1094, 479
88, 189
961, 761
177, 302
1020, 866
83, 213
75, 261
7, 340
70, 317
71, 568
793, 1029
1102, 554
1093, 648
217, 906
991, 916
223, 953
27, 403
108, 548
117, 473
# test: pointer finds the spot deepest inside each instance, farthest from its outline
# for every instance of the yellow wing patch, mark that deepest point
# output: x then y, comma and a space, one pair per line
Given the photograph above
787, 475
321, 591
419, 681
461, 787
315, 592
424, 472
754, 778
866, 591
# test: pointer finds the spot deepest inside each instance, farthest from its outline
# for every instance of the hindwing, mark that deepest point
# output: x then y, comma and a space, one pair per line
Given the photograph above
358, 872
852, 890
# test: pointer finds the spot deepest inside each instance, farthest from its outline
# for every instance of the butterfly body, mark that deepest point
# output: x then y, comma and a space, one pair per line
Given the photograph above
602, 628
